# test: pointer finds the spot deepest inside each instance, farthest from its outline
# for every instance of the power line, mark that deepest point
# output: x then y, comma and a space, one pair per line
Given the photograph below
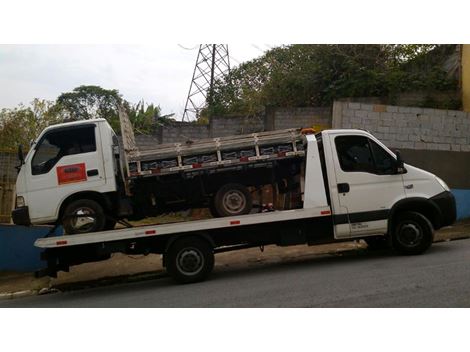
182, 47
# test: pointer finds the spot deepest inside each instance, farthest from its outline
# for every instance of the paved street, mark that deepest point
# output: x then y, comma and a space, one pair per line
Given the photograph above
439, 278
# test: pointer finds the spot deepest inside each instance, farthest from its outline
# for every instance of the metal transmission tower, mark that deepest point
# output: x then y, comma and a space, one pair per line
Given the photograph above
212, 62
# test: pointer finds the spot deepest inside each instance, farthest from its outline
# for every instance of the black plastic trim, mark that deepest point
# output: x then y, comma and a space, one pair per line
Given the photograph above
20, 216
364, 216
445, 201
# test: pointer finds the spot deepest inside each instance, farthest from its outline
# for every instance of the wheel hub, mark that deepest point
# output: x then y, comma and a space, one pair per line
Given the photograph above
81, 221
410, 235
190, 261
234, 201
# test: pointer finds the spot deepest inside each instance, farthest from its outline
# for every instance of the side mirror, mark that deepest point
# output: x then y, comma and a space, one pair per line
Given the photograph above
400, 164
20, 157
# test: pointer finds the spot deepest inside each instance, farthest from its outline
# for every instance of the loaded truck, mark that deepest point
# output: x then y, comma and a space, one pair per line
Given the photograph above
342, 185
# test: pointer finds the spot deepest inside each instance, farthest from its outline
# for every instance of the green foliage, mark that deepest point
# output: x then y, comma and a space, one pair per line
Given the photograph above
90, 102
144, 117
24, 123
316, 75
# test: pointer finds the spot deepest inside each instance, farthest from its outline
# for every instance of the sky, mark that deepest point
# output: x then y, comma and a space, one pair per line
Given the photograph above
158, 74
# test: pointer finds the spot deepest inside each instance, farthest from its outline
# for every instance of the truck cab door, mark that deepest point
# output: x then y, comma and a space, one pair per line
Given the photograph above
65, 161
366, 185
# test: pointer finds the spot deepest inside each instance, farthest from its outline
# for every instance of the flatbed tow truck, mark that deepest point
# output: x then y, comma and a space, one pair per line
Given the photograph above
351, 186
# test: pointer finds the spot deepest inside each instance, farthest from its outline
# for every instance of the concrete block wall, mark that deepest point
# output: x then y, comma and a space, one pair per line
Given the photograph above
274, 119
183, 132
302, 117
8, 161
229, 126
407, 127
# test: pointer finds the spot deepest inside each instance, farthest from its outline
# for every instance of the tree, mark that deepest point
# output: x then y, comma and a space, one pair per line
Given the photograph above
91, 102
316, 75
144, 117
23, 124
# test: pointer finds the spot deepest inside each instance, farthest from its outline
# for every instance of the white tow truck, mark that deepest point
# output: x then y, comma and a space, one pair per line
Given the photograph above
350, 186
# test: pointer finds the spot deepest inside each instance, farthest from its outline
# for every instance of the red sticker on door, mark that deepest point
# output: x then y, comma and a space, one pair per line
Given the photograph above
71, 173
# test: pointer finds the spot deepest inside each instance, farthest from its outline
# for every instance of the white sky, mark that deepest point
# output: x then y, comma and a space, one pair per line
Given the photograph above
159, 74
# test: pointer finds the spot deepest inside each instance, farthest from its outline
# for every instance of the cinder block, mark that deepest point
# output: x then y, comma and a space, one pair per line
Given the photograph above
402, 137
465, 148
420, 145
455, 147
383, 129
360, 113
444, 146
367, 107
391, 108
416, 110
373, 115
354, 106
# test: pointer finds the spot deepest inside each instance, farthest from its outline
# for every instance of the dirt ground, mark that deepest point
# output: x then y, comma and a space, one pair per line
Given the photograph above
121, 267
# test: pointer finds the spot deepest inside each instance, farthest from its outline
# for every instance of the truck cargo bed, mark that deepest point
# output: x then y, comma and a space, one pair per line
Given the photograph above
210, 153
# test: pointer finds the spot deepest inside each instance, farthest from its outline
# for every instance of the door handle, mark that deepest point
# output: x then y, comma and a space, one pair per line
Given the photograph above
92, 172
343, 187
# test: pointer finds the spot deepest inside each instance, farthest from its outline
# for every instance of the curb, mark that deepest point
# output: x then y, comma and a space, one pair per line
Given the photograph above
18, 294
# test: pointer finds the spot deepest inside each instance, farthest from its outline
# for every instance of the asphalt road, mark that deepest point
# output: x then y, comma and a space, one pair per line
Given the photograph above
439, 278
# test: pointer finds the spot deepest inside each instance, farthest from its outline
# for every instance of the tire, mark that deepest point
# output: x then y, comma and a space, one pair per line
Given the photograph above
74, 225
413, 233
377, 243
232, 199
190, 259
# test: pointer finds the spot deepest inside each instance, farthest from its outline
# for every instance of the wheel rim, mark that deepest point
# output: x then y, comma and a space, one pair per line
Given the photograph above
234, 201
410, 234
83, 219
190, 261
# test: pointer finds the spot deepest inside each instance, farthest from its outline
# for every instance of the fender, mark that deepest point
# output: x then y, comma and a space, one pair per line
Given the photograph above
421, 205
172, 239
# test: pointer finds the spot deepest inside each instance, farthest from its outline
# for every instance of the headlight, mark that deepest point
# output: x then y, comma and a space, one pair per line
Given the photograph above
443, 184
19, 202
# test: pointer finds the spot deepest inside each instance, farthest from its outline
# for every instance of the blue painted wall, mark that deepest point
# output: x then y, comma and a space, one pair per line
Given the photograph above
462, 198
17, 251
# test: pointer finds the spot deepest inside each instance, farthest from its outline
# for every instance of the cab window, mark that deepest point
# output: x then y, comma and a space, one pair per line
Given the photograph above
56, 144
360, 154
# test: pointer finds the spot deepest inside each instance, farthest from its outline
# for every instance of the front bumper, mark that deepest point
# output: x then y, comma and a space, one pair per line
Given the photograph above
20, 216
445, 202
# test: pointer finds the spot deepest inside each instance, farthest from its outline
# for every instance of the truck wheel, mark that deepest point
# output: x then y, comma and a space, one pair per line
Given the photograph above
413, 233
189, 260
233, 199
82, 216
376, 243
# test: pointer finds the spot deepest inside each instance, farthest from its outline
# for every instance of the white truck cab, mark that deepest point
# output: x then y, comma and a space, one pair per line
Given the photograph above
70, 159
368, 182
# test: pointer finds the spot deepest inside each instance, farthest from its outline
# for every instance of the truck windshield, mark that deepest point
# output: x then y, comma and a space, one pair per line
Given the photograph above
58, 143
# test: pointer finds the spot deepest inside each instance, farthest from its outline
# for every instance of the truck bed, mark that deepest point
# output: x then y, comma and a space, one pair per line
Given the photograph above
210, 153
181, 227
